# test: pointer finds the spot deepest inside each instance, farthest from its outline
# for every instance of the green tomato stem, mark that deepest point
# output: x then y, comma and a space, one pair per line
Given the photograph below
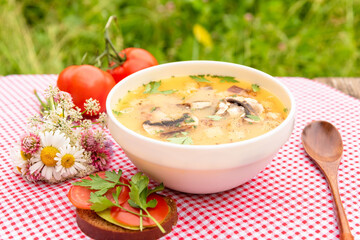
109, 43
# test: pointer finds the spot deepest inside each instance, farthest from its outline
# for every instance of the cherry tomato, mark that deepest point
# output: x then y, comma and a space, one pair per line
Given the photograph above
79, 196
84, 82
125, 218
135, 60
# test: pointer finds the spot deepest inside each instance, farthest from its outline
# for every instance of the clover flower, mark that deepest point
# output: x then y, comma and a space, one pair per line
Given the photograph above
100, 158
30, 143
100, 148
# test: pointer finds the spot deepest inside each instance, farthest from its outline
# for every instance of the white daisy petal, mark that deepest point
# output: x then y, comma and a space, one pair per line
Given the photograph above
79, 166
35, 167
56, 175
43, 171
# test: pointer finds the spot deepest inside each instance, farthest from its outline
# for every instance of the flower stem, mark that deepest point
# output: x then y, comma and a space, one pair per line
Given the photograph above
41, 102
52, 104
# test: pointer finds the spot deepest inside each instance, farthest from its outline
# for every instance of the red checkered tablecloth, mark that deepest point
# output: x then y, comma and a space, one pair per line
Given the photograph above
288, 200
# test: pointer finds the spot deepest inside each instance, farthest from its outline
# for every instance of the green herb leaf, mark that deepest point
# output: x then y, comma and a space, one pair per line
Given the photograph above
112, 176
227, 79
214, 117
167, 91
253, 117
153, 109
285, 110
158, 188
153, 87
255, 87
200, 78
139, 191
189, 120
100, 203
101, 185
187, 140
117, 194
117, 113
152, 203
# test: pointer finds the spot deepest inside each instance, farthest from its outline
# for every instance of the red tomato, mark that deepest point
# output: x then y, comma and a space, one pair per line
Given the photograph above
84, 82
159, 213
136, 59
79, 196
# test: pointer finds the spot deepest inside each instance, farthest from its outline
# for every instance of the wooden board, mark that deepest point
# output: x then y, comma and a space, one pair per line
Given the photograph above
350, 86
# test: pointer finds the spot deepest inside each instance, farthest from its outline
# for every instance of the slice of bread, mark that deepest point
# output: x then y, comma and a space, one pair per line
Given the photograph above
97, 228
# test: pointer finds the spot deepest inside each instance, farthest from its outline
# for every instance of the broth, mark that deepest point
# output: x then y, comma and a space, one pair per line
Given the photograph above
200, 110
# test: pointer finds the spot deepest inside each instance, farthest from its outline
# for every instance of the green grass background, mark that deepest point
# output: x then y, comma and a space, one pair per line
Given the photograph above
309, 38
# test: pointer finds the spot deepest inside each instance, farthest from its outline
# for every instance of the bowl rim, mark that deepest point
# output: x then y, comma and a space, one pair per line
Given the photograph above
288, 120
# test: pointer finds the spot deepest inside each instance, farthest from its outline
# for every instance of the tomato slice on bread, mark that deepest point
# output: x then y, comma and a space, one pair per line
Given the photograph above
79, 196
159, 212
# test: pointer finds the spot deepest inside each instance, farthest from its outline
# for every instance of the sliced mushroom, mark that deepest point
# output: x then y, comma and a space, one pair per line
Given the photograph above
184, 105
170, 126
200, 105
236, 111
221, 109
236, 89
240, 107
251, 106
241, 102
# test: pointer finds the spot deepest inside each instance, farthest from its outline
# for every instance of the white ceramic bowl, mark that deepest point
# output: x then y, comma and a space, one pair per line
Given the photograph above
201, 168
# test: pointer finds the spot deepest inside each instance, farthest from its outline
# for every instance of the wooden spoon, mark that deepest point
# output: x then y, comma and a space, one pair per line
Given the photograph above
322, 141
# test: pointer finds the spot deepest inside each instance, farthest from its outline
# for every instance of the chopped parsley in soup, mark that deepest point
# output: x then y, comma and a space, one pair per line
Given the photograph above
200, 110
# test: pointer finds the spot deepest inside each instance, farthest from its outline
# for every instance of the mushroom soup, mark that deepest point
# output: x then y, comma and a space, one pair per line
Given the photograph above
200, 110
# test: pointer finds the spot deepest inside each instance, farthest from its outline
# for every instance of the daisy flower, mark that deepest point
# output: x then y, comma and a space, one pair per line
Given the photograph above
69, 161
20, 159
44, 161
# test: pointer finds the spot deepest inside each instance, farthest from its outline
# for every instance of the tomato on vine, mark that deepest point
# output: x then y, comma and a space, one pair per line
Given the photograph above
128, 61
133, 60
84, 82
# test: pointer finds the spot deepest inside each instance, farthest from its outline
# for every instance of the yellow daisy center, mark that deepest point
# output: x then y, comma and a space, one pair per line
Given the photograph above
25, 156
67, 160
48, 155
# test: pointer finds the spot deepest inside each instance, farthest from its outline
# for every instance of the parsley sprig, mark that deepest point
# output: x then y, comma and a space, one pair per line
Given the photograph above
139, 191
95, 182
153, 87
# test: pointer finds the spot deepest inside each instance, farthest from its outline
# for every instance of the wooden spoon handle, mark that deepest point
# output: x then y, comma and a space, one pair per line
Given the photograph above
346, 236
343, 223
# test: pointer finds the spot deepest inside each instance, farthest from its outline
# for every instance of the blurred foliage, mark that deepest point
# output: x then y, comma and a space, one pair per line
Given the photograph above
307, 38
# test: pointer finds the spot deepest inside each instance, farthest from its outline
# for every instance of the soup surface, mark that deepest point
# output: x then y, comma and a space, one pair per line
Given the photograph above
200, 110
